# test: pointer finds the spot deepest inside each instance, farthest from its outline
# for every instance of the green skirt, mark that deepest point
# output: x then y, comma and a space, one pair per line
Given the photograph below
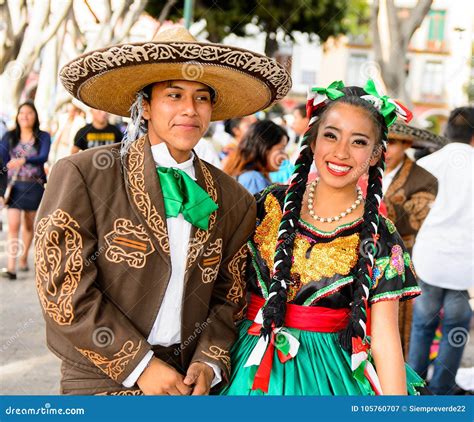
321, 367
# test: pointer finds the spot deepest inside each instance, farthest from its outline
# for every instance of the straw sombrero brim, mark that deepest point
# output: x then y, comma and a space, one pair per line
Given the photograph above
244, 82
420, 138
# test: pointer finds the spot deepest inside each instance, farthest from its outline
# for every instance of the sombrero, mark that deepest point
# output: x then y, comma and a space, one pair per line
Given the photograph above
244, 82
420, 138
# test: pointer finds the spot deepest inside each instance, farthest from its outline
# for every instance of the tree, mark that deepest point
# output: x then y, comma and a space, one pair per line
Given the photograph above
400, 31
318, 18
44, 34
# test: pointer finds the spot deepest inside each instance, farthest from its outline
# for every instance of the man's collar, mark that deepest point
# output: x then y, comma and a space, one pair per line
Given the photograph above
163, 158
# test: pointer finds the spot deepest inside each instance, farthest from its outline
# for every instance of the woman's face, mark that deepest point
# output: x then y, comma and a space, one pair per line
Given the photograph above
345, 144
276, 155
26, 117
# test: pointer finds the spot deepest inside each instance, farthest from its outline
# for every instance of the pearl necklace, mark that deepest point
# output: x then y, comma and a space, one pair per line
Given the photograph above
312, 188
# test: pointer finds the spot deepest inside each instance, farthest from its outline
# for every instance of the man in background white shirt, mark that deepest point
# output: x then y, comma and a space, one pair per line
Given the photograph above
444, 256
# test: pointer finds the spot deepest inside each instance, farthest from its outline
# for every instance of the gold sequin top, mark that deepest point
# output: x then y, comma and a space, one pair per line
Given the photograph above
321, 273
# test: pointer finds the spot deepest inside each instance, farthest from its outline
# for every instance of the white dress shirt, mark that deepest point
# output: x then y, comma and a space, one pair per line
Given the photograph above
387, 178
443, 254
166, 329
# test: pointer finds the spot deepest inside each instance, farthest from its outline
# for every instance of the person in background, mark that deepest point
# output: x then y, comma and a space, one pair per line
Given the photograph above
236, 128
443, 257
300, 120
409, 191
261, 151
98, 133
69, 123
24, 151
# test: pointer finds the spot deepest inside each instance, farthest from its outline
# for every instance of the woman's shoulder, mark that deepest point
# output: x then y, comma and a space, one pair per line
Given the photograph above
253, 181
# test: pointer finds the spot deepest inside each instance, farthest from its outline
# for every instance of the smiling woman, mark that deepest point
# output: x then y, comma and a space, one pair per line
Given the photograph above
322, 318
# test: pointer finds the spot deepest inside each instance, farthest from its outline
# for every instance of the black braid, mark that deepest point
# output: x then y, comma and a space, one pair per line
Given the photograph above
275, 307
274, 310
367, 255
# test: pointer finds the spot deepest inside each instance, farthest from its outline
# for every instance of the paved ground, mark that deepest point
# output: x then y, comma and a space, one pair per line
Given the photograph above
28, 367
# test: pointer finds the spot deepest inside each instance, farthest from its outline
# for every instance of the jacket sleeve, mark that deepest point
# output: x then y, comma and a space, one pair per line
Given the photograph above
72, 301
228, 297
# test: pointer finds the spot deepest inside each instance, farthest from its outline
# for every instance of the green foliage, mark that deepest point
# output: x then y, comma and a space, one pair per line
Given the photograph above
318, 18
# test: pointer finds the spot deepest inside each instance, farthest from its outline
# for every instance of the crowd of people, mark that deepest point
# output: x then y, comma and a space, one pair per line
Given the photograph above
344, 225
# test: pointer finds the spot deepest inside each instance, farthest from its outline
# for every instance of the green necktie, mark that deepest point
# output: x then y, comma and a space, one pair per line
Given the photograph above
183, 195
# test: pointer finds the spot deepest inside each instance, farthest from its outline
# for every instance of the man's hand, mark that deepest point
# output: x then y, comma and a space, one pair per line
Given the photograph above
159, 378
199, 375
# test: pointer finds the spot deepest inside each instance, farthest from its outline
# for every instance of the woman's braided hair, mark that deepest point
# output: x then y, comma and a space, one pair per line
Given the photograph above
275, 307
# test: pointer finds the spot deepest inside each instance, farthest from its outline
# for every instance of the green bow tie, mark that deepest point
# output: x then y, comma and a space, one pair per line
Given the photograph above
183, 195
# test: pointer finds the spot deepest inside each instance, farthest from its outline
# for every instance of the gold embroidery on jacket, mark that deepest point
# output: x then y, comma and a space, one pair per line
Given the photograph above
236, 268
209, 265
136, 392
128, 242
136, 178
113, 367
58, 257
418, 207
215, 352
201, 236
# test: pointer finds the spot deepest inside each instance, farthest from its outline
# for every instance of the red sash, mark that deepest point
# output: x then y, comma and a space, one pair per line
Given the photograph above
307, 318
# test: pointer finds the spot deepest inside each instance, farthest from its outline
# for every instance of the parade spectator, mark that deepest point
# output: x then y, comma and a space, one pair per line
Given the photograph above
98, 133
236, 128
409, 190
69, 124
300, 120
442, 256
24, 151
261, 151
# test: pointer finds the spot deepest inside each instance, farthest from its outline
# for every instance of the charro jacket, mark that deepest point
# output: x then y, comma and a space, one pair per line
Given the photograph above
103, 263
409, 198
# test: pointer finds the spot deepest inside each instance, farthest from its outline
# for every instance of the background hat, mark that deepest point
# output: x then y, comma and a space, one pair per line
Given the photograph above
244, 82
420, 138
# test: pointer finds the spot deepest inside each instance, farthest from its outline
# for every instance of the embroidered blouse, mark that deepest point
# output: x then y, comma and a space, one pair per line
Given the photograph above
321, 273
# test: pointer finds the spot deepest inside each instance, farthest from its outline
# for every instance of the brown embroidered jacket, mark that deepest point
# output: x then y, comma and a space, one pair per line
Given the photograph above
103, 263
408, 199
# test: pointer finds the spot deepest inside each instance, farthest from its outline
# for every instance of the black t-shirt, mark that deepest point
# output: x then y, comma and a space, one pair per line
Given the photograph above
90, 137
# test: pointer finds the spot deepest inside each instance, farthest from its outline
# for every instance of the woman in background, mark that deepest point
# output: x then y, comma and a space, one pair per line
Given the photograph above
261, 151
24, 151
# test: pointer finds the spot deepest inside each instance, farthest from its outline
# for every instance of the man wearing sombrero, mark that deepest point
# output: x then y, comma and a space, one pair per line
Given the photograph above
140, 247
409, 190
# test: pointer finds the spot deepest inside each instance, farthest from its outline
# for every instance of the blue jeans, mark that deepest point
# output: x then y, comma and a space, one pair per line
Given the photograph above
455, 334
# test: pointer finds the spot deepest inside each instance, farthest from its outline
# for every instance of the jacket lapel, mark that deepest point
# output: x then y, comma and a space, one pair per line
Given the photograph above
400, 178
144, 192
199, 238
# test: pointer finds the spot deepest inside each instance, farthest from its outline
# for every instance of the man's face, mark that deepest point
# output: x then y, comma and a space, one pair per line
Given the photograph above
99, 117
178, 114
300, 123
395, 152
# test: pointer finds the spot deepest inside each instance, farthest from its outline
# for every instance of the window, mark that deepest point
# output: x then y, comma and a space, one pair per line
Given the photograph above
437, 19
358, 69
432, 82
